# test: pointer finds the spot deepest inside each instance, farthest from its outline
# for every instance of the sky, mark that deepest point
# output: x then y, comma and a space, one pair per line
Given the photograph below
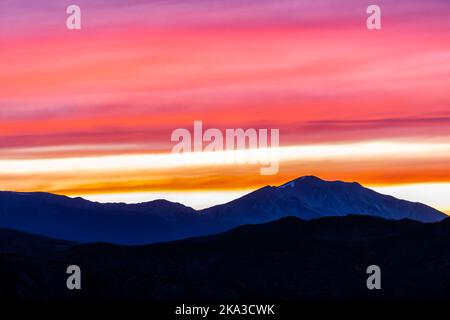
90, 112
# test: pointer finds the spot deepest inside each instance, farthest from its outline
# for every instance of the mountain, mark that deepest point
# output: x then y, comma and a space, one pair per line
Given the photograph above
287, 259
308, 197
84, 221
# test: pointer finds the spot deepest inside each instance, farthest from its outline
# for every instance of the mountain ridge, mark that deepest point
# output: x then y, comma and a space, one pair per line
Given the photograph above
306, 197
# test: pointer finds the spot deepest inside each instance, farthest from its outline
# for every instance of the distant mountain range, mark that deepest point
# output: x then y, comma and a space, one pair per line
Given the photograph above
285, 260
307, 197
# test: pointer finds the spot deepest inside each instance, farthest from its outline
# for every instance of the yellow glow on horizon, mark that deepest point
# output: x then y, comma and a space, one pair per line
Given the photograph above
436, 195
195, 199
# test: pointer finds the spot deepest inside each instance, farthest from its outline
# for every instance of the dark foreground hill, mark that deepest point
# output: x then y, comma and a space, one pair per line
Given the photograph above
16, 242
308, 197
287, 259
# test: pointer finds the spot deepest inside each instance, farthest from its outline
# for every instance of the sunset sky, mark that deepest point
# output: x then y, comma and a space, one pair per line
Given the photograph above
90, 112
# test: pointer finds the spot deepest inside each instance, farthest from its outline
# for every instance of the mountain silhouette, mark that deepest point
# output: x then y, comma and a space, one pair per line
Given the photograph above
287, 259
307, 197
85, 221
17, 242
310, 197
